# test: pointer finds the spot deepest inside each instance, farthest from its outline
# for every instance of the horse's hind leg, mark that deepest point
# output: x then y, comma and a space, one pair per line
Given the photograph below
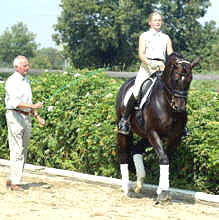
139, 165
124, 143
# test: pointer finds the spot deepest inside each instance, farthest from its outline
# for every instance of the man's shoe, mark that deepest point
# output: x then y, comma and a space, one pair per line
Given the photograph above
123, 127
14, 187
8, 183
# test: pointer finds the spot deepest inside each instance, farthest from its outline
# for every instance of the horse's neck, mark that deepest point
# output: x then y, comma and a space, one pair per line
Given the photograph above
161, 94
165, 76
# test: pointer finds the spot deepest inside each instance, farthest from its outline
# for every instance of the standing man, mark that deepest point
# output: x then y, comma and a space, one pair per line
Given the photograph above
19, 106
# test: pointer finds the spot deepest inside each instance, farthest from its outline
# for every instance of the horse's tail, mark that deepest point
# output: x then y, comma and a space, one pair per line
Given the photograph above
121, 94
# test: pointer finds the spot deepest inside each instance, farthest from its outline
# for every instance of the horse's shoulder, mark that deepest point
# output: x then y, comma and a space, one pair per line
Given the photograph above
128, 83
131, 80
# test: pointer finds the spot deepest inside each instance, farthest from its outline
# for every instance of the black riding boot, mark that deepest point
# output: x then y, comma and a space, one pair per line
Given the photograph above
124, 126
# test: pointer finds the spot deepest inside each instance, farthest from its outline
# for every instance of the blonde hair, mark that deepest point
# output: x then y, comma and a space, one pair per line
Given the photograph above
152, 14
18, 59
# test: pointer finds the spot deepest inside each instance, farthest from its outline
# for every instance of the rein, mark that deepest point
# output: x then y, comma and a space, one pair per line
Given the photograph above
174, 92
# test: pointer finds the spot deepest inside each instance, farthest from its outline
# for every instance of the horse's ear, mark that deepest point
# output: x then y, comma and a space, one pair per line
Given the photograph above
195, 62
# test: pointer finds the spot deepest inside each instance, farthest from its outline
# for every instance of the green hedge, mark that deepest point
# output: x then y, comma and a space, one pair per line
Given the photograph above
80, 131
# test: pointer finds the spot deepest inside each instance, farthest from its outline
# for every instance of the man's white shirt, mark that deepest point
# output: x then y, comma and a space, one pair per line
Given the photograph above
18, 90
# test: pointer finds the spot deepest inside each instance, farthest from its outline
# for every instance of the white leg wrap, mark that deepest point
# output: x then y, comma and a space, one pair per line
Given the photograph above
139, 166
164, 178
140, 171
125, 178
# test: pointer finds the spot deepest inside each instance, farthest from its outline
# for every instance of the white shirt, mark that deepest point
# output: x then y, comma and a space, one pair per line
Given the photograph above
156, 44
17, 90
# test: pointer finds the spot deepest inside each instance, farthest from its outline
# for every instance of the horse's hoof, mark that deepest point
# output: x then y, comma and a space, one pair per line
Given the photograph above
126, 188
129, 194
138, 189
139, 185
162, 197
125, 191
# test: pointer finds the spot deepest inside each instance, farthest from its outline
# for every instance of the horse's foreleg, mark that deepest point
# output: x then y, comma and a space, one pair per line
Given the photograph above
172, 144
123, 143
125, 178
164, 165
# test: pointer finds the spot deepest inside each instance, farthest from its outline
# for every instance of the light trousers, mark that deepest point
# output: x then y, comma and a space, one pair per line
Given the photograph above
19, 132
145, 71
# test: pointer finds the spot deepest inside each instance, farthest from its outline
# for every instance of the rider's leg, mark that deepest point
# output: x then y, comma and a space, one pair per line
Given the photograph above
142, 75
124, 126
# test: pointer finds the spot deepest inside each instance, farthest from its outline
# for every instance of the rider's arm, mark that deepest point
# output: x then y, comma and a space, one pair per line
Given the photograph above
169, 47
141, 49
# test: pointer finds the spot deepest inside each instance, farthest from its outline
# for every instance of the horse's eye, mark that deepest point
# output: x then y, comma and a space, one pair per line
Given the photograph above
190, 76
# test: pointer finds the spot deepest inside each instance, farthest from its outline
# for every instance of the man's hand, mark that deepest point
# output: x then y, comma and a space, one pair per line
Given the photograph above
37, 105
41, 120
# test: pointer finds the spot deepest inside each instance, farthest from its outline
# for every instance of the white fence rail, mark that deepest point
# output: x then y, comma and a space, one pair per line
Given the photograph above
112, 74
31, 71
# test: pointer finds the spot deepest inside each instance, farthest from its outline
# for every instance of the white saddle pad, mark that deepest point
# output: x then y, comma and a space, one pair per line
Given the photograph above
144, 99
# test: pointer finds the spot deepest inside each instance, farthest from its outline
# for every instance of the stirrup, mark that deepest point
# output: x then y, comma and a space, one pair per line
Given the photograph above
137, 107
124, 127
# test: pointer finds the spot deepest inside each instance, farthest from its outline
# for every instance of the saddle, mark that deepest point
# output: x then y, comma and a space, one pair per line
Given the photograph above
145, 91
144, 95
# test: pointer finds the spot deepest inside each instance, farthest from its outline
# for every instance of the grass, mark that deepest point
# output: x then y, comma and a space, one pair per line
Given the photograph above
215, 72
207, 84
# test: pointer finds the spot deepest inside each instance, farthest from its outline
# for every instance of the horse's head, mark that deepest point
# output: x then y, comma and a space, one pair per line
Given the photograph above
177, 78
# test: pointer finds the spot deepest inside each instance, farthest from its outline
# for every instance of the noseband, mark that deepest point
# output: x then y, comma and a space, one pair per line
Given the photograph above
174, 92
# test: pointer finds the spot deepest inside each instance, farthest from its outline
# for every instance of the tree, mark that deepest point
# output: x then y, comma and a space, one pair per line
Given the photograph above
102, 32
181, 22
17, 41
40, 62
105, 32
55, 57
47, 58
212, 60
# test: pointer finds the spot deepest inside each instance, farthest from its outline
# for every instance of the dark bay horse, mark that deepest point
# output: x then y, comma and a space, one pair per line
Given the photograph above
163, 119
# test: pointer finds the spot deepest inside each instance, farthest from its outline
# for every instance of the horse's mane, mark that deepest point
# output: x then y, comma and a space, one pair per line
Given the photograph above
176, 54
174, 57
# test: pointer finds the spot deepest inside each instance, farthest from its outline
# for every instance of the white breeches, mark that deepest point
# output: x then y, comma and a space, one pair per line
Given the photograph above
145, 71
19, 131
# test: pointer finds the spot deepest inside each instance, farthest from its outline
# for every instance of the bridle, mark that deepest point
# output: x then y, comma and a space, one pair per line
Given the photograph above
174, 92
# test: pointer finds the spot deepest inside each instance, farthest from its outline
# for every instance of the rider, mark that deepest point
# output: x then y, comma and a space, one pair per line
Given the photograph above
154, 45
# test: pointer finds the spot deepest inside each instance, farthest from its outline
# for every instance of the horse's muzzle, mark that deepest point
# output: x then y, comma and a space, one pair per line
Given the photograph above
179, 104
180, 108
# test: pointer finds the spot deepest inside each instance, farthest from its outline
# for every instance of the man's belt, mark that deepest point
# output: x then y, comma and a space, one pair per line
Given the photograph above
22, 112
